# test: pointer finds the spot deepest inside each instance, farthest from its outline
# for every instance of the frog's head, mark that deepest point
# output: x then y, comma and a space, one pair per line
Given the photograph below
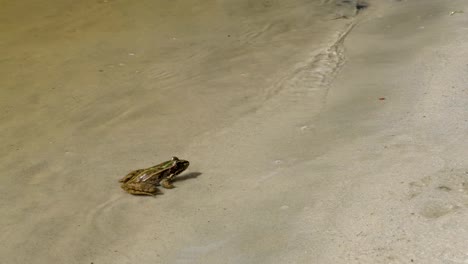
179, 165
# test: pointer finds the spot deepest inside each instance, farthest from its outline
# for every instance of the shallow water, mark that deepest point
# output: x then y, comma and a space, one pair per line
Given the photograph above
118, 63
91, 90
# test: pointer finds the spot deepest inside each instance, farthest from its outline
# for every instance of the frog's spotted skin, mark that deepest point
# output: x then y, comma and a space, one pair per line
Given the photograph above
144, 181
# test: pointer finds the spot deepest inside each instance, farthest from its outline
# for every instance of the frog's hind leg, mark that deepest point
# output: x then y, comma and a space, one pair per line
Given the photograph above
135, 192
140, 188
166, 183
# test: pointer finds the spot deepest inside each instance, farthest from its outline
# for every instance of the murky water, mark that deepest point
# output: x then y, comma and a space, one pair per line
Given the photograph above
93, 89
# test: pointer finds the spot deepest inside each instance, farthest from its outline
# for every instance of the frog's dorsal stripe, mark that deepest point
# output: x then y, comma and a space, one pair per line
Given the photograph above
143, 177
167, 164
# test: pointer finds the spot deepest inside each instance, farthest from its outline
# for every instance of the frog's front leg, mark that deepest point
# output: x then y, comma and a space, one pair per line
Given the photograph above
166, 183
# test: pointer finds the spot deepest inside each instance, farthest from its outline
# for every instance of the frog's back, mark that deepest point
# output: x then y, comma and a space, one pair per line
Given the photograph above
130, 175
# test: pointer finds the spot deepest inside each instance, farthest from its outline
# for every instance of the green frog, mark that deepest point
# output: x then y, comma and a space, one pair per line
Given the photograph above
144, 181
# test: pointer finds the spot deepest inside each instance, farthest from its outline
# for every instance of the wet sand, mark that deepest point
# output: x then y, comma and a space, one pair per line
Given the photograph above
311, 139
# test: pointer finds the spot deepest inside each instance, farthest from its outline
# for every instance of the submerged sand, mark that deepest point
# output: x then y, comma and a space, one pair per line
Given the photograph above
311, 139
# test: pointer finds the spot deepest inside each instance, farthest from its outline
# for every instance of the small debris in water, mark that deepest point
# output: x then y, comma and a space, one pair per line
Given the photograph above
340, 17
444, 188
456, 12
131, 54
382, 98
361, 5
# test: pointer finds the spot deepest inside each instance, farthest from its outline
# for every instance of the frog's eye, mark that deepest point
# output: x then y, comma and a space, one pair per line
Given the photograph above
175, 158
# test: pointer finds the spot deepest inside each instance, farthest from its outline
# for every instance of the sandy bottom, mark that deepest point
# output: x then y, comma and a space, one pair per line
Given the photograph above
311, 139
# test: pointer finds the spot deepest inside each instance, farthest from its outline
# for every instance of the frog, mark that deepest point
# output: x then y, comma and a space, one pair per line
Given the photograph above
145, 181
